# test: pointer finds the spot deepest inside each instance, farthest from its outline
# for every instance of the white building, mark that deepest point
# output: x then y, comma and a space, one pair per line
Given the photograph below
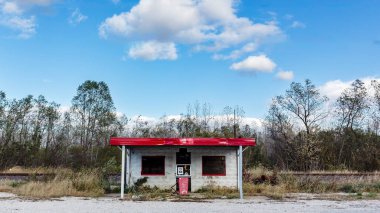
204, 161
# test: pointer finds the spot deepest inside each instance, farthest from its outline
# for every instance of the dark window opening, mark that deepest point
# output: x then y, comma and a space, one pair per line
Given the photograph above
183, 157
153, 165
213, 165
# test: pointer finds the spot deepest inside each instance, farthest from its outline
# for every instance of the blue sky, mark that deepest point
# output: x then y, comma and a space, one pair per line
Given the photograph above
158, 56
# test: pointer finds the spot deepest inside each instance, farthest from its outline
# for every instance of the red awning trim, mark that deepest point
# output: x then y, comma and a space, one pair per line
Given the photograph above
115, 141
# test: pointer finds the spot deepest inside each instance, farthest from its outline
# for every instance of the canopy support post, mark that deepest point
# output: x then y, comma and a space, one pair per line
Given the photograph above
127, 179
122, 181
240, 168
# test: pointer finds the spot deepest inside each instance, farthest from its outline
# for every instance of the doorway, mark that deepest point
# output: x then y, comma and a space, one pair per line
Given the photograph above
183, 166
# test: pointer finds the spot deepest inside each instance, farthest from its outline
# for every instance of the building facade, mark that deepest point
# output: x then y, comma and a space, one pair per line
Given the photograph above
162, 161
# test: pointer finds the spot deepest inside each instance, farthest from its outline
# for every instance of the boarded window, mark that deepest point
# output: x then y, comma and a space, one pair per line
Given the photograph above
153, 165
183, 157
213, 165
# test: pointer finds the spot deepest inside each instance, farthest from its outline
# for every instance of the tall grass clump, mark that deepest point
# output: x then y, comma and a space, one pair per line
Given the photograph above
261, 181
65, 183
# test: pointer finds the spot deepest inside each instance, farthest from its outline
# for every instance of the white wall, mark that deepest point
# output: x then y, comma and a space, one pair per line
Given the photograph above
197, 180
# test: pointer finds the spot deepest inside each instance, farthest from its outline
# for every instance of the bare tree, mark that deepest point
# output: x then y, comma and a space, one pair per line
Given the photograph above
376, 100
305, 103
94, 107
281, 135
352, 104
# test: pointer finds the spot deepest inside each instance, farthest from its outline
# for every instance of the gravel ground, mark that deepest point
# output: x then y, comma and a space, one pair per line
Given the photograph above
11, 203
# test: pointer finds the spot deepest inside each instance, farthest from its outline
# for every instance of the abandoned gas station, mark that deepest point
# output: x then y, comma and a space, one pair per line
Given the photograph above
187, 164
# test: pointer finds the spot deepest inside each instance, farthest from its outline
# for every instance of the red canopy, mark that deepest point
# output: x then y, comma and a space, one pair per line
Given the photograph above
115, 141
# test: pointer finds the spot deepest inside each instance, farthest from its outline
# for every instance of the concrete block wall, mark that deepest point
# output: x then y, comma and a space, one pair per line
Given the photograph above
197, 180
164, 182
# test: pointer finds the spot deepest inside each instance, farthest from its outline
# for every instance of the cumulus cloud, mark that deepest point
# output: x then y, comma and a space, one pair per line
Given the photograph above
77, 17
208, 25
12, 16
285, 75
260, 63
153, 50
333, 89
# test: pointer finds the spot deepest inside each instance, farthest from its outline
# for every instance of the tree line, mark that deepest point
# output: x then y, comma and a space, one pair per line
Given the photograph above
300, 131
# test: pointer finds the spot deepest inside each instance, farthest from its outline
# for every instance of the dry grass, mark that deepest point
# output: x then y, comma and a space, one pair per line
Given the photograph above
90, 183
318, 185
212, 192
274, 192
65, 183
289, 183
257, 172
7, 185
44, 170
149, 193
341, 171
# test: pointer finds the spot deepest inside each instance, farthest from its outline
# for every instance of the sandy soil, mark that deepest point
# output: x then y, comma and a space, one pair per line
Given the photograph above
11, 203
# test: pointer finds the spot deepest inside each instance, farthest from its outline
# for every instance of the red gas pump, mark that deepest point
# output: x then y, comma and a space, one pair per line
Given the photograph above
183, 185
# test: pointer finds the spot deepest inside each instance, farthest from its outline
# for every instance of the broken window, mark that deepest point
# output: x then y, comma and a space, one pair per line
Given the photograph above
153, 165
213, 165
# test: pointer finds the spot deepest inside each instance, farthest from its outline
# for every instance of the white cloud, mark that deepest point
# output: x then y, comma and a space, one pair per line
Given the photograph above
333, 89
260, 63
153, 50
254, 122
12, 15
285, 75
209, 25
23, 5
247, 48
25, 26
63, 109
35, 2
297, 24
144, 119
116, 1
77, 17
11, 8
157, 20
